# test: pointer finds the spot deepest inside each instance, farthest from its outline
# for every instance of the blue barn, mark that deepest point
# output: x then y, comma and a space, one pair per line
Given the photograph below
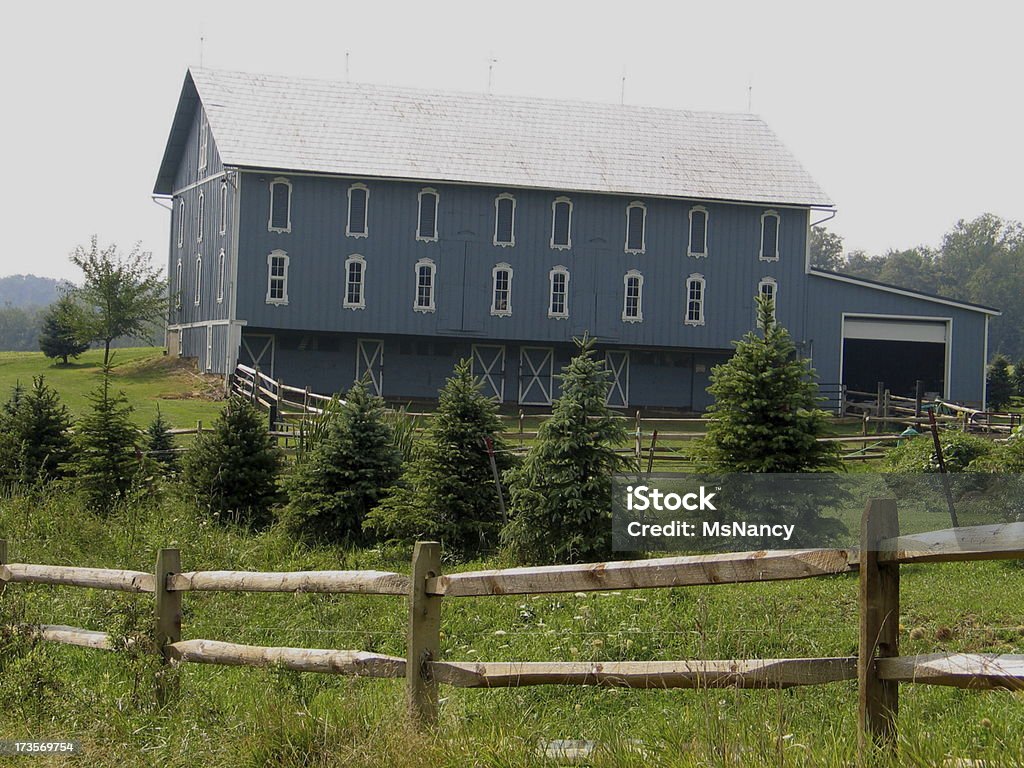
325, 231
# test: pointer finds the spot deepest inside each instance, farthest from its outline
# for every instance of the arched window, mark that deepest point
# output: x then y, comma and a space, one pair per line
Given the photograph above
181, 221
694, 300
426, 224
200, 218
769, 236
561, 223
505, 220
636, 224
698, 232
769, 288
280, 219
501, 290
204, 143
220, 276
223, 207
425, 271
558, 295
177, 285
199, 280
355, 277
277, 277
358, 209
633, 297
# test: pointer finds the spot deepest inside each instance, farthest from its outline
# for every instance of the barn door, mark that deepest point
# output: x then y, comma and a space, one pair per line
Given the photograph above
370, 363
535, 364
258, 352
617, 362
489, 367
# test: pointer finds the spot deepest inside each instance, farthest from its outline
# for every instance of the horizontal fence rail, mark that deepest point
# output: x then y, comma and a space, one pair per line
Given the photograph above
337, 582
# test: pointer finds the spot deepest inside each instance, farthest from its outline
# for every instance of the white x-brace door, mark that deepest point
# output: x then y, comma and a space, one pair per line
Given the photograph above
489, 367
370, 361
535, 364
617, 361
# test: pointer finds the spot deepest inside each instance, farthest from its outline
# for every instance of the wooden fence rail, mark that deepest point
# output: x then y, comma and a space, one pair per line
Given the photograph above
878, 667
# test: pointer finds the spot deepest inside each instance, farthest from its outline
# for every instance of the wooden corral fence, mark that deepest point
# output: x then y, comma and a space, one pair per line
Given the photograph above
884, 408
878, 668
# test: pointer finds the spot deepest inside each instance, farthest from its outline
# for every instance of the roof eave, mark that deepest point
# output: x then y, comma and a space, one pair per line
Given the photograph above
877, 285
178, 136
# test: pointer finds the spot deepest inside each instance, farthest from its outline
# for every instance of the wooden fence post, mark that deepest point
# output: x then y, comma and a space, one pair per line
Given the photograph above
168, 613
879, 609
424, 640
3, 561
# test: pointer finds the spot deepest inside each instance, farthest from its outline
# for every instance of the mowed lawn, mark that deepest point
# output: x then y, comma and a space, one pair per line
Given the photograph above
145, 374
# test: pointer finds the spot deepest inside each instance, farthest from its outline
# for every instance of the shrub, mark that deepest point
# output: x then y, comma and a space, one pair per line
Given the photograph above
561, 495
959, 451
35, 444
346, 475
232, 471
998, 383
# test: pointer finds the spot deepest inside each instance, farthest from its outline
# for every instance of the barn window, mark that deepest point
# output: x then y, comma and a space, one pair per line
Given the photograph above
561, 223
358, 201
426, 225
181, 221
200, 217
698, 232
204, 142
220, 276
505, 220
558, 297
636, 222
355, 273
177, 285
501, 293
277, 277
199, 280
694, 300
223, 208
769, 288
425, 270
280, 206
770, 236
633, 297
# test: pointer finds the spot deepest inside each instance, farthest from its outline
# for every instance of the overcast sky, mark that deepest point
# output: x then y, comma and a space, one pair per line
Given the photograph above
908, 114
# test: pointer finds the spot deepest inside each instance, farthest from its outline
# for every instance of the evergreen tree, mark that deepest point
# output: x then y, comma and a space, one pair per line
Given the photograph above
1018, 378
448, 490
765, 411
561, 495
108, 458
232, 471
159, 444
61, 332
36, 440
999, 385
346, 475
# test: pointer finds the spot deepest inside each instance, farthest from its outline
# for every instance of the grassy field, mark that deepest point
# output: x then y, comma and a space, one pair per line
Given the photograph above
147, 376
245, 717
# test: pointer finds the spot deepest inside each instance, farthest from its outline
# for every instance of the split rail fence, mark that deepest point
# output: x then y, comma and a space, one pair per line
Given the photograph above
878, 668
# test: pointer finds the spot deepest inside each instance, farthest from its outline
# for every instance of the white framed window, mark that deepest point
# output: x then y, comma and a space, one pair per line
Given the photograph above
505, 220
277, 277
209, 347
199, 280
633, 297
695, 287
223, 207
355, 277
177, 284
698, 246
561, 224
280, 219
769, 288
558, 293
501, 290
425, 272
769, 236
200, 217
636, 226
204, 142
426, 221
358, 208
220, 276
181, 221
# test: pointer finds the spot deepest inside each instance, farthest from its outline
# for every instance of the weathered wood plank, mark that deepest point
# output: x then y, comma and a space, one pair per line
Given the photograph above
166, 617
763, 673
73, 576
690, 570
59, 633
362, 582
962, 670
300, 659
424, 634
978, 542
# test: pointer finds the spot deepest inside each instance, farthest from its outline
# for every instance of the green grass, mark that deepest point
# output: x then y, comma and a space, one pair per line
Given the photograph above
148, 377
226, 716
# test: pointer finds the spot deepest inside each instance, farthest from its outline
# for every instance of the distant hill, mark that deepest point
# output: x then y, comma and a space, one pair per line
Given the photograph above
28, 291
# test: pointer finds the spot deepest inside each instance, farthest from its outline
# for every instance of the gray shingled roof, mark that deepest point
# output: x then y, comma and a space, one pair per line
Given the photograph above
298, 124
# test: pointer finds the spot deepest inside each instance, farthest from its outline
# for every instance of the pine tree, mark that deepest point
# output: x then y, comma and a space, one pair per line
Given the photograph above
561, 495
232, 471
159, 444
346, 475
36, 440
448, 490
999, 385
1018, 378
108, 458
61, 332
765, 415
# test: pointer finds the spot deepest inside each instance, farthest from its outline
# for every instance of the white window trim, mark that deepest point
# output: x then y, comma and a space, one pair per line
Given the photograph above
199, 280
419, 214
501, 267
200, 217
765, 281
223, 207
361, 304
178, 274
699, 278
558, 270
181, 221
283, 301
639, 318
568, 230
433, 286
643, 227
204, 142
778, 228
366, 212
270, 218
689, 245
220, 276
512, 241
